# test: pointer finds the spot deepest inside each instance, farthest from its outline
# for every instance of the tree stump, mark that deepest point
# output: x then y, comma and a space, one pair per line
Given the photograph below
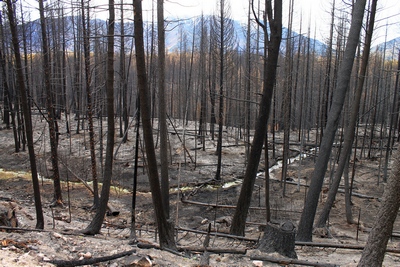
8, 218
279, 239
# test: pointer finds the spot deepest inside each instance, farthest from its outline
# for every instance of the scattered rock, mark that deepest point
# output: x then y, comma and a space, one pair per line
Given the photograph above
87, 255
136, 261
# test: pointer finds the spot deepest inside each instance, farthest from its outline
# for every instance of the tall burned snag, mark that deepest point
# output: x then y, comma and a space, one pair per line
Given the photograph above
27, 115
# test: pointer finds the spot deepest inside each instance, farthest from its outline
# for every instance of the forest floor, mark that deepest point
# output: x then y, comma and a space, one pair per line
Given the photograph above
191, 173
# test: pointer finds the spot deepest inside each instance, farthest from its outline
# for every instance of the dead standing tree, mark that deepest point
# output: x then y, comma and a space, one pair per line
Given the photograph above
88, 82
163, 108
223, 31
50, 109
350, 129
165, 229
95, 225
27, 114
344, 74
273, 38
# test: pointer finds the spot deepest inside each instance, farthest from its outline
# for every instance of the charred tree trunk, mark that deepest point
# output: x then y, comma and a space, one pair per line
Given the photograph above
374, 251
165, 229
274, 16
95, 225
88, 82
350, 129
163, 108
50, 109
310, 207
27, 115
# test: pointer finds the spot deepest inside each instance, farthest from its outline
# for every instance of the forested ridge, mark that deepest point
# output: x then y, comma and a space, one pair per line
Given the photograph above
145, 86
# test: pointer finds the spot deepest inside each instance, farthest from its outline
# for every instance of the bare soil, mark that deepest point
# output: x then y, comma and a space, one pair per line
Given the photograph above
190, 180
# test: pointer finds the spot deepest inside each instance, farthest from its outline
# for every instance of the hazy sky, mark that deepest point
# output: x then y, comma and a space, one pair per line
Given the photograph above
315, 13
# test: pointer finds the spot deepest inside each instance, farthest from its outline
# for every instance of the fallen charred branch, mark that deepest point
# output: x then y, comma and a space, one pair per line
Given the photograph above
16, 229
219, 234
339, 190
66, 263
186, 201
297, 243
342, 246
199, 249
111, 210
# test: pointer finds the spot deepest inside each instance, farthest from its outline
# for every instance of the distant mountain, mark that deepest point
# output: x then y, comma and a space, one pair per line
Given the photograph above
179, 33
184, 29
391, 48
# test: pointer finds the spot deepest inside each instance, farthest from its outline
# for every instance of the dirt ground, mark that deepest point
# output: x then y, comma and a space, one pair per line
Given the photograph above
191, 171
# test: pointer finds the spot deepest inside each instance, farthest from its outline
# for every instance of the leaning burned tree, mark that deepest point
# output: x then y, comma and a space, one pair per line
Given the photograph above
374, 251
343, 80
271, 51
165, 231
27, 114
351, 128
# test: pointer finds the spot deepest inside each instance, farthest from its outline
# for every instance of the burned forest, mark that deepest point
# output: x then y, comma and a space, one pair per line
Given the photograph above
132, 137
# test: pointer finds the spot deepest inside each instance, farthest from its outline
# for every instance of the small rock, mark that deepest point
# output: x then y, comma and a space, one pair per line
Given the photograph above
204, 221
57, 235
32, 247
144, 262
87, 255
134, 261
258, 263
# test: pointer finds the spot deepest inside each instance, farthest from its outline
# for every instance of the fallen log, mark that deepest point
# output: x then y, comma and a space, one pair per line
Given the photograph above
355, 194
186, 201
213, 250
287, 261
297, 243
15, 229
219, 234
65, 263
343, 246
199, 249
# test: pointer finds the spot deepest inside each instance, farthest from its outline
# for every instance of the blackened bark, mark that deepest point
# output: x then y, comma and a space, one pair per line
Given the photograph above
270, 67
163, 108
26, 110
50, 109
310, 207
350, 129
95, 225
88, 81
374, 251
165, 230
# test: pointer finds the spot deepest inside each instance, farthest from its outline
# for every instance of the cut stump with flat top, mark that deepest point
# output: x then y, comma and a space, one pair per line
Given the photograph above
280, 239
